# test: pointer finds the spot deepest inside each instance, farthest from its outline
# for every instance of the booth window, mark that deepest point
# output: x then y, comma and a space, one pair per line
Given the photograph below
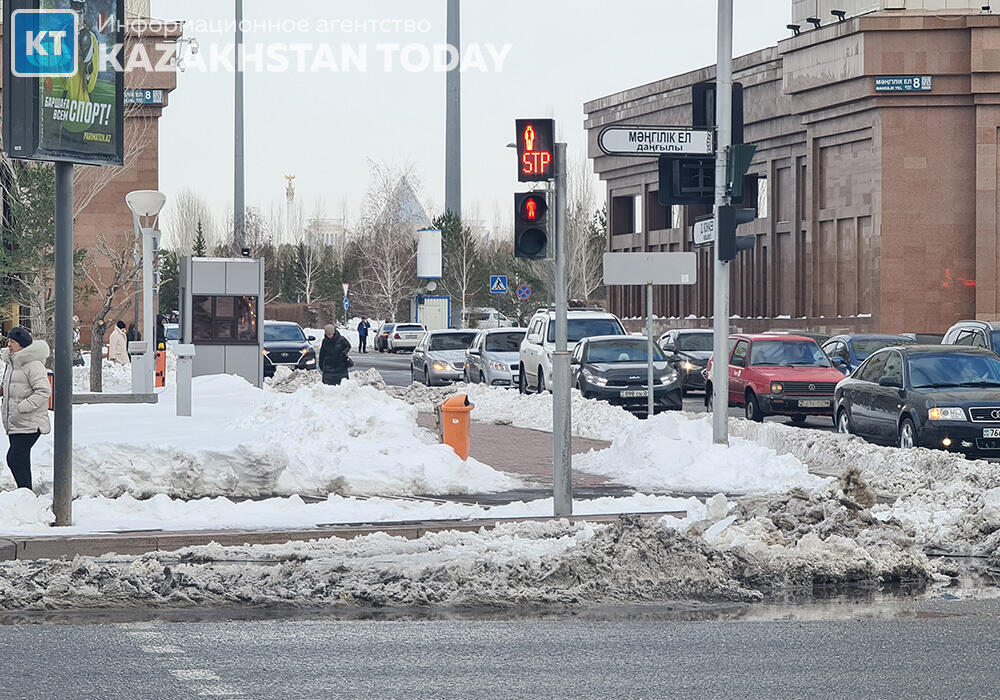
224, 320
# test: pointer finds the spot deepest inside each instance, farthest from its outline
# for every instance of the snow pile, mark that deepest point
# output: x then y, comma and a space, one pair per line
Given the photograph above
116, 378
288, 381
244, 442
24, 513
552, 563
674, 452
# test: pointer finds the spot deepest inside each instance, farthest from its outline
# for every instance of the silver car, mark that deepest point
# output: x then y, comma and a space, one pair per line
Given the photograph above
494, 357
405, 336
439, 357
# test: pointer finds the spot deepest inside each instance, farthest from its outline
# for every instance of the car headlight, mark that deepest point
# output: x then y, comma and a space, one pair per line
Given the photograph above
498, 366
594, 378
305, 351
440, 367
688, 366
950, 413
668, 378
777, 388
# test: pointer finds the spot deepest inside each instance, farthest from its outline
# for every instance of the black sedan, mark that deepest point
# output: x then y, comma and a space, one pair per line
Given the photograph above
688, 351
613, 368
942, 396
286, 345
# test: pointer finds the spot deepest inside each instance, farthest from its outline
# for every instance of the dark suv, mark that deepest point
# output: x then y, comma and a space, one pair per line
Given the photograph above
286, 345
978, 334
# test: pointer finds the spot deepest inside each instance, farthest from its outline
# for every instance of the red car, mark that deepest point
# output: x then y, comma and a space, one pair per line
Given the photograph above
786, 375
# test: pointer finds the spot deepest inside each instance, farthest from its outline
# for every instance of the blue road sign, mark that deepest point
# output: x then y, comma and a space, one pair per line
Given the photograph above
347, 303
498, 284
524, 292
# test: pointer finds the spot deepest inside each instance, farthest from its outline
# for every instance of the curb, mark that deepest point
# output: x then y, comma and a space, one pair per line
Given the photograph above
54, 547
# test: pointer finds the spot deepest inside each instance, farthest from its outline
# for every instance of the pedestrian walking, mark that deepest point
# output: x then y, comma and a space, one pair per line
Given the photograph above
363, 329
25, 405
118, 345
133, 333
333, 356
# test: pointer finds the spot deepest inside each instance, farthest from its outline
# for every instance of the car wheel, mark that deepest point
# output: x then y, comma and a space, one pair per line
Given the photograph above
522, 384
844, 423
541, 381
752, 409
482, 378
799, 420
413, 375
907, 435
427, 376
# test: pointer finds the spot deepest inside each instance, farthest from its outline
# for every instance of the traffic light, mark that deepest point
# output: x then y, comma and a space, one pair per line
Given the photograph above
729, 243
740, 157
531, 229
703, 108
687, 181
536, 146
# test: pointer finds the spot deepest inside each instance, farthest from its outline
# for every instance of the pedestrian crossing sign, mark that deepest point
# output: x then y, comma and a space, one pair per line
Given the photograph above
498, 284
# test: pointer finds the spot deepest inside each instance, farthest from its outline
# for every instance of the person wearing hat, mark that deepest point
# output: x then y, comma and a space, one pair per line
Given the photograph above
333, 359
118, 345
25, 406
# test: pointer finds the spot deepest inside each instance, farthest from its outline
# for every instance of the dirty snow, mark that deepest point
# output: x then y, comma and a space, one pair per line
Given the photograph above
243, 442
24, 513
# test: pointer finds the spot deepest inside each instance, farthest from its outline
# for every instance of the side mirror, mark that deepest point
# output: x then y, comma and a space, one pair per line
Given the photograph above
310, 338
890, 382
670, 349
574, 361
534, 338
473, 351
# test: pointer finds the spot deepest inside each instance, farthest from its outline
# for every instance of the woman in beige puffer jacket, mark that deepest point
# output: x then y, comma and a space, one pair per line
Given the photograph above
25, 405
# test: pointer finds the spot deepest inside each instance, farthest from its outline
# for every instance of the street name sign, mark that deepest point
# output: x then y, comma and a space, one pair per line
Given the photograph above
704, 231
904, 83
650, 268
655, 141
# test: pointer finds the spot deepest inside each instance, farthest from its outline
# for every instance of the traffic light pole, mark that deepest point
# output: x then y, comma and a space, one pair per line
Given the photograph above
562, 455
724, 137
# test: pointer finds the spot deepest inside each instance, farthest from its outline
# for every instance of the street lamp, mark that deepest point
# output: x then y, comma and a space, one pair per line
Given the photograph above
146, 206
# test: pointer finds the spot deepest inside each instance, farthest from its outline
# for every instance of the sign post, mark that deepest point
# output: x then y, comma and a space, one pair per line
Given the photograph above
650, 269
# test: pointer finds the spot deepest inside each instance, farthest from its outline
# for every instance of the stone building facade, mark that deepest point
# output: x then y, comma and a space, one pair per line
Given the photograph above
877, 211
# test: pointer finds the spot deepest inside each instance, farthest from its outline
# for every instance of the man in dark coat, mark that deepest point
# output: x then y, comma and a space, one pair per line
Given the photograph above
333, 359
363, 329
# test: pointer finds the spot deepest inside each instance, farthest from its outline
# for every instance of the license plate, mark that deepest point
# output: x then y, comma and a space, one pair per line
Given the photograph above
813, 404
991, 432
635, 394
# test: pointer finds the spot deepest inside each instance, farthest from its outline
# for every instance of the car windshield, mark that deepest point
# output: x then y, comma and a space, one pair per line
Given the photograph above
387, 328
450, 341
282, 333
504, 342
953, 369
995, 338
580, 328
864, 348
621, 351
695, 341
787, 353
405, 327
173, 333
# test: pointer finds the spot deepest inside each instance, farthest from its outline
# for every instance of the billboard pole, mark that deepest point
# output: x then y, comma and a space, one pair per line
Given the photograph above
62, 457
724, 127
239, 186
453, 118
562, 455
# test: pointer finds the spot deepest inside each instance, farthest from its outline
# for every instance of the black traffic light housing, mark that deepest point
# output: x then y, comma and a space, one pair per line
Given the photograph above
729, 244
531, 228
703, 108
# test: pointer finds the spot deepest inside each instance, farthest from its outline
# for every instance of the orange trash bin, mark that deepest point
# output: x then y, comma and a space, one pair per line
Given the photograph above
161, 368
455, 423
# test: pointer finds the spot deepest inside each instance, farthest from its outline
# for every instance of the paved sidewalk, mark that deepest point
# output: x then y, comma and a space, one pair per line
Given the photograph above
524, 452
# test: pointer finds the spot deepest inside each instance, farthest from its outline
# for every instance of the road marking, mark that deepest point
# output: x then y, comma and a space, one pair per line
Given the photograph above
163, 650
194, 674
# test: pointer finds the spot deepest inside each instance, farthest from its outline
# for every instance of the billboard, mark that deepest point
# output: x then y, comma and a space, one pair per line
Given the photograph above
62, 100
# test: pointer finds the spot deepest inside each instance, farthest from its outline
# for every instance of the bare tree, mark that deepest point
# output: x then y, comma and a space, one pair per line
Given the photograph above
112, 274
585, 248
385, 239
183, 214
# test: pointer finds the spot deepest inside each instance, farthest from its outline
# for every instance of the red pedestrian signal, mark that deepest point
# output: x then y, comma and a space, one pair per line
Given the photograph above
531, 234
535, 147
532, 207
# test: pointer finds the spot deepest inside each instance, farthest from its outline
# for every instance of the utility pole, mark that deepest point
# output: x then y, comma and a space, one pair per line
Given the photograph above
239, 185
724, 137
62, 380
562, 454
453, 118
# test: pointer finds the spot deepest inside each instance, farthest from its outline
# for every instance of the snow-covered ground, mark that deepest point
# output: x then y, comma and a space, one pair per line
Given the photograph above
116, 378
24, 513
245, 442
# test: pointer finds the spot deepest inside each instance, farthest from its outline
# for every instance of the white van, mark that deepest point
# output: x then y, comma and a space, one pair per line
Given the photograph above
487, 318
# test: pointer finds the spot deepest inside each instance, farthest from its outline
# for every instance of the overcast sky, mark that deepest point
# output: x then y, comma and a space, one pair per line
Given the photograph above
323, 126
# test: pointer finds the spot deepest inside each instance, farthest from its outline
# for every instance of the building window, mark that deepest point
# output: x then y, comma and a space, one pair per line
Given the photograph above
224, 320
623, 215
659, 215
762, 197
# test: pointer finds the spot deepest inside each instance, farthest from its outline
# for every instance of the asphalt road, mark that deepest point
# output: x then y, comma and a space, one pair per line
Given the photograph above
631, 658
395, 370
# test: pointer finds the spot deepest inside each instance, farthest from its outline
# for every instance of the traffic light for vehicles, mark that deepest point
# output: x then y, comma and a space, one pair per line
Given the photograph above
531, 229
729, 243
703, 108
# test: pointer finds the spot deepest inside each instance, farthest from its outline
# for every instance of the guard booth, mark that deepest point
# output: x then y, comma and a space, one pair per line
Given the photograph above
222, 312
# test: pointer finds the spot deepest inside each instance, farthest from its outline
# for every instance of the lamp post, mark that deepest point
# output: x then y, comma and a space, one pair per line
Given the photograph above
146, 206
